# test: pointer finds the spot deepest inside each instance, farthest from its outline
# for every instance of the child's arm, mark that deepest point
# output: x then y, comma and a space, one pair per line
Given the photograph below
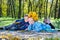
38, 27
29, 27
18, 21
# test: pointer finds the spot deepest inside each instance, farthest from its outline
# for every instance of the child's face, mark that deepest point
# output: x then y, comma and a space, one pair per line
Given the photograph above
26, 18
31, 21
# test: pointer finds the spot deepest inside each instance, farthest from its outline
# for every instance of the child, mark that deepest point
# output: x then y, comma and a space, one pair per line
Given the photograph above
21, 24
36, 26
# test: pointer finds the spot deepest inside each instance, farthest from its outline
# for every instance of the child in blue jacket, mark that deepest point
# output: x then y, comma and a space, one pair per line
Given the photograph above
36, 26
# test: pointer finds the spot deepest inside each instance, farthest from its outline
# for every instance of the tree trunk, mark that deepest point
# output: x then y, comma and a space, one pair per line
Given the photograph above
59, 10
0, 8
19, 13
46, 8
23, 8
13, 6
9, 8
51, 9
55, 9
28, 6
40, 7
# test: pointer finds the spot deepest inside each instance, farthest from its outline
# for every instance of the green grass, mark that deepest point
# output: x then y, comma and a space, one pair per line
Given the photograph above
6, 21
55, 22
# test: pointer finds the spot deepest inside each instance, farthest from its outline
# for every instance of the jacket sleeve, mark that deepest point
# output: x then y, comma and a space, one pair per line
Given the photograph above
29, 27
38, 27
19, 20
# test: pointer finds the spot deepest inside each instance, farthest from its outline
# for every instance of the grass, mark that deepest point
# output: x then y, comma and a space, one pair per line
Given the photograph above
6, 21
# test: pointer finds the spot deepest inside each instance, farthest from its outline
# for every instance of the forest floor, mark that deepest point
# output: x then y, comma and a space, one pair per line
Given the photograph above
7, 21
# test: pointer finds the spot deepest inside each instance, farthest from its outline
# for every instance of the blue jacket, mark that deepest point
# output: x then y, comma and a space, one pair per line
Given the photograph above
21, 26
39, 27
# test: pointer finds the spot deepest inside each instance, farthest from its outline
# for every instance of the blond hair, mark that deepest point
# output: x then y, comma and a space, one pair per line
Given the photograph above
33, 15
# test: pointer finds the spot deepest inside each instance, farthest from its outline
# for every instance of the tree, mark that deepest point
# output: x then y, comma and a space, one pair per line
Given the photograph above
0, 8
19, 13
40, 7
46, 8
23, 8
13, 8
29, 6
59, 10
56, 6
51, 9
8, 7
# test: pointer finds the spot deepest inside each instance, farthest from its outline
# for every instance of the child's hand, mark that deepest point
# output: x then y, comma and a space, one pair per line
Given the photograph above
31, 21
48, 21
26, 29
17, 22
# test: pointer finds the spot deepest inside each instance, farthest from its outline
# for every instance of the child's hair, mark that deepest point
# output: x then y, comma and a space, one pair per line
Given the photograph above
26, 15
33, 15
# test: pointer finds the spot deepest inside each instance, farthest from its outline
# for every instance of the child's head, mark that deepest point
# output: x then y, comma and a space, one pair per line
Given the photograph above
33, 15
26, 18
